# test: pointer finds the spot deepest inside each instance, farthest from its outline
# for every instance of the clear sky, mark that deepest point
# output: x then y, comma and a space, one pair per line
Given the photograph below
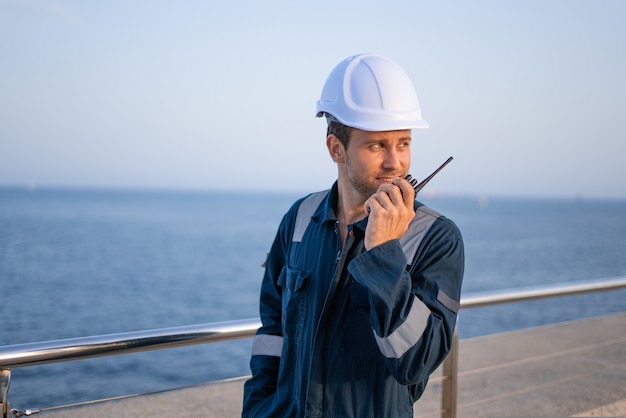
528, 96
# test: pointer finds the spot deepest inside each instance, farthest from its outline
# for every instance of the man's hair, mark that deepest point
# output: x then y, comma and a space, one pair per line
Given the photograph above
341, 131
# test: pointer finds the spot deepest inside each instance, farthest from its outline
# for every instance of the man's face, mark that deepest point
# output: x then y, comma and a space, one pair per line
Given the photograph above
373, 158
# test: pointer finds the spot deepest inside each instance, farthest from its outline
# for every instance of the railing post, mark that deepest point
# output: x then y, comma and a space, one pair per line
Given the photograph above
449, 386
5, 381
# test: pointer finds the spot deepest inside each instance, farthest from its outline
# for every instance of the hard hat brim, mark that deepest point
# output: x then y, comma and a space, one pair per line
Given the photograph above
387, 124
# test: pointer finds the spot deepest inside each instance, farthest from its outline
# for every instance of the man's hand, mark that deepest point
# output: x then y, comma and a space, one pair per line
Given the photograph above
390, 212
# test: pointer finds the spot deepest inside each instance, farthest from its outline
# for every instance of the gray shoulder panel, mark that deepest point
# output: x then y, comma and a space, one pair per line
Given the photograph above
425, 217
306, 210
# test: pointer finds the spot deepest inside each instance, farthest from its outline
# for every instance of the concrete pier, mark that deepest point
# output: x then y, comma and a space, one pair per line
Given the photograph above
575, 368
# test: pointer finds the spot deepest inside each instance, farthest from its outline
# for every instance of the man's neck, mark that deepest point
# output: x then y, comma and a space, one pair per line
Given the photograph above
350, 207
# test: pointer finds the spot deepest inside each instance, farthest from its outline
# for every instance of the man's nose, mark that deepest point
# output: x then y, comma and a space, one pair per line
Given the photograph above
392, 159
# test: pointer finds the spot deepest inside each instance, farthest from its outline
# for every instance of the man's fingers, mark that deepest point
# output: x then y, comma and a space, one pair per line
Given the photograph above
398, 192
408, 194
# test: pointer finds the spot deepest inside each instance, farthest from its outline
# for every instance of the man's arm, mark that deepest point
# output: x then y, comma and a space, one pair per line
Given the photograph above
413, 313
268, 342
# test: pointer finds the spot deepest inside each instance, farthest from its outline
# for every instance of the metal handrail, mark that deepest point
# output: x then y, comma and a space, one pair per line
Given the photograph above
30, 354
476, 300
450, 366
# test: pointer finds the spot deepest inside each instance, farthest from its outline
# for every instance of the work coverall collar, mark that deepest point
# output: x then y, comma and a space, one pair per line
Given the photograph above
326, 212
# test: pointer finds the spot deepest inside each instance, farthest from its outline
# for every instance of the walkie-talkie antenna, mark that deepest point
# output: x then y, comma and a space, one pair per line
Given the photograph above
420, 186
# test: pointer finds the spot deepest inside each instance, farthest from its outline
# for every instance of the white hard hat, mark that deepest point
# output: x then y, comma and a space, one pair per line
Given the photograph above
372, 93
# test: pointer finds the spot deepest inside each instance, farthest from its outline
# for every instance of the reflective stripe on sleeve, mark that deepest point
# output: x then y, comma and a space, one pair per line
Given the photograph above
406, 335
448, 302
267, 345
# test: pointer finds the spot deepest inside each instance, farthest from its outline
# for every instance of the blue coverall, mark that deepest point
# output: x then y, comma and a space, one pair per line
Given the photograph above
349, 332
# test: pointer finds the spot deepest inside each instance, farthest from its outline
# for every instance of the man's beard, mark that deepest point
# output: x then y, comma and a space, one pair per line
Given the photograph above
359, 182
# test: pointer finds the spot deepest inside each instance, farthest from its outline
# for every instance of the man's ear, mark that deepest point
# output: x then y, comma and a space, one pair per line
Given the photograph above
336, 149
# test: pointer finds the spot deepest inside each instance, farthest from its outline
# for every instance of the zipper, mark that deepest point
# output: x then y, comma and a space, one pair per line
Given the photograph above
340, 261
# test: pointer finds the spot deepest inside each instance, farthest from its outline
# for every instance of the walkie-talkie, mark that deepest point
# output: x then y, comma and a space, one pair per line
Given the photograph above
417, 187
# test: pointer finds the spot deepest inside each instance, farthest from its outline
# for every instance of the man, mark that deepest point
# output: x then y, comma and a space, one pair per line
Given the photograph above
362, 284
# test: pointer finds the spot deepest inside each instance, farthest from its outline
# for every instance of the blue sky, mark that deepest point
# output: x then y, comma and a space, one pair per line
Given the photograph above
529, 97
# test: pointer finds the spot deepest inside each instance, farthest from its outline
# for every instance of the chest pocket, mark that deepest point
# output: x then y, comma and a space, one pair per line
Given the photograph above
294, 302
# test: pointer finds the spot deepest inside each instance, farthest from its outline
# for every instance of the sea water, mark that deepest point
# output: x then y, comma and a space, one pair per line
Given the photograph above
77, 263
